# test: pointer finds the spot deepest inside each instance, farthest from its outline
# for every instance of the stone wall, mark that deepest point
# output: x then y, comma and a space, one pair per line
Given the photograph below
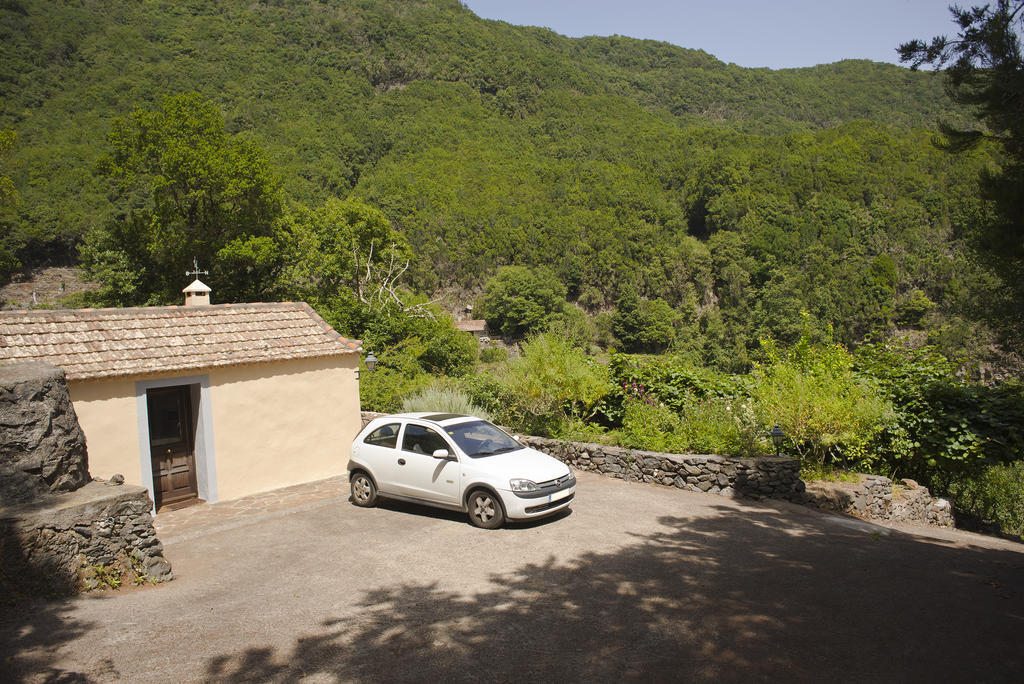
57, 528
58, 546
876, 497
767, 477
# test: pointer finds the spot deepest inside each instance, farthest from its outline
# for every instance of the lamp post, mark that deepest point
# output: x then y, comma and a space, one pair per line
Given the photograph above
371, 363
777, 436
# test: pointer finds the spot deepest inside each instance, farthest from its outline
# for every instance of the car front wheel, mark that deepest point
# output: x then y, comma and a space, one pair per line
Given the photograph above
485, 510
364, 492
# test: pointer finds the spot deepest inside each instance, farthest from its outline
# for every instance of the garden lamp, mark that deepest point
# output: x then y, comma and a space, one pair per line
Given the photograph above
777, 436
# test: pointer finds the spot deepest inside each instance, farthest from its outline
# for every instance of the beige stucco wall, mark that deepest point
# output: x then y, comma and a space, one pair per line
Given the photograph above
281, 424
274, 424
108, 416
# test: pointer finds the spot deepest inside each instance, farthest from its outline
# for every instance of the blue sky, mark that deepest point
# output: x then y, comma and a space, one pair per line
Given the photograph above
751, 33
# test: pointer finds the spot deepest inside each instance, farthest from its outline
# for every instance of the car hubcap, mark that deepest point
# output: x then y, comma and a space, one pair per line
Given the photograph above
362, 489
484, 508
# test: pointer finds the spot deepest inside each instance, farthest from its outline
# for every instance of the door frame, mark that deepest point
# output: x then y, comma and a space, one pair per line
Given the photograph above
202, 423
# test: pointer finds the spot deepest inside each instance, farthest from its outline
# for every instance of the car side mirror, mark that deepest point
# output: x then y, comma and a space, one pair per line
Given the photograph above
440, 453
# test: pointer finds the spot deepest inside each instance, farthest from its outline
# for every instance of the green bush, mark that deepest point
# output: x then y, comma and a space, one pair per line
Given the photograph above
493, 355
651, 427
441, 398
398, 375
942, 423
723, 426
550, 383
829, 413
993, 495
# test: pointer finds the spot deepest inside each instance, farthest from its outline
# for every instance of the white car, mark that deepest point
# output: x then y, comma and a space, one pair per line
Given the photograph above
456, 462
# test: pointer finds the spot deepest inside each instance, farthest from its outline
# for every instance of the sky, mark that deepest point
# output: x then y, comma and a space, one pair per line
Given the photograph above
777, 34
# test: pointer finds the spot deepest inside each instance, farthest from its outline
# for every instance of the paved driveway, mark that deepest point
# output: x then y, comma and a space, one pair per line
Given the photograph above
638, 582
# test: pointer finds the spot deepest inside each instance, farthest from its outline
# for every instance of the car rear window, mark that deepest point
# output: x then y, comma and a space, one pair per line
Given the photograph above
385, 436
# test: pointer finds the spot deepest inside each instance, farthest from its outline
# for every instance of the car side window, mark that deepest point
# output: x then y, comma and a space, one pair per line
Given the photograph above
422, 440
385, 436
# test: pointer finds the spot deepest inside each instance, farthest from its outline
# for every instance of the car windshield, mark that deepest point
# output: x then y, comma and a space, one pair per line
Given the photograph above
479, 438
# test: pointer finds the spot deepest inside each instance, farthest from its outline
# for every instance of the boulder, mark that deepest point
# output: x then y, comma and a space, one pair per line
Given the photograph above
42, 447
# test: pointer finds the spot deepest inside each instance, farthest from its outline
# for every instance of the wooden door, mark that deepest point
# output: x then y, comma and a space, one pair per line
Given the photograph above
171, 445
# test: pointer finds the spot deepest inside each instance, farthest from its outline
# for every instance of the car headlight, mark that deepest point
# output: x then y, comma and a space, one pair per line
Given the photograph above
523, 485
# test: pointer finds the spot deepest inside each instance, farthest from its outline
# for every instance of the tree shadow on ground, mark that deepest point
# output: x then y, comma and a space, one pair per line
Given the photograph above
767, 595
32, 633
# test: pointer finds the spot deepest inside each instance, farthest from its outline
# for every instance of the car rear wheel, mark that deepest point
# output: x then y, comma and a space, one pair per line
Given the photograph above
485, 510
364, 492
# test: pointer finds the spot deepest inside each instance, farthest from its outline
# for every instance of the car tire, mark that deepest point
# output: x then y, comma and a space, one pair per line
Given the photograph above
485, 510
364, 491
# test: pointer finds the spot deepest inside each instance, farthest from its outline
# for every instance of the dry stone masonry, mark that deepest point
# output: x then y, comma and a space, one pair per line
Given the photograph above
767, 477
59, 531
877, 498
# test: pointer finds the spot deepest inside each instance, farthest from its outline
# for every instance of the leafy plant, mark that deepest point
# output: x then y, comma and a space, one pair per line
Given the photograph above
550, 383
829, 413
993, 495
493, 354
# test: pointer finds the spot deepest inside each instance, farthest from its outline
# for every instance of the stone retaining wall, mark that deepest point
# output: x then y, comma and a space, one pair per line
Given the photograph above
58, 546
876, 497
59, 531
767, 477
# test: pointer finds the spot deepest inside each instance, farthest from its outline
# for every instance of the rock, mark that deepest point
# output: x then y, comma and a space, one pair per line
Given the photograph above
42, 447
116, 479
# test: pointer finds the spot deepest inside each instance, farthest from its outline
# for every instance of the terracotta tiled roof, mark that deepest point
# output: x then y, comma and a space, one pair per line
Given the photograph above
472, 326
99, 343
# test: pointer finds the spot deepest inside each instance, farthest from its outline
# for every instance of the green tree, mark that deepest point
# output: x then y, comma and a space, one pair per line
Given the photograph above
345, 259
986, 73
519, 300
205, 194
8, 196
641, 325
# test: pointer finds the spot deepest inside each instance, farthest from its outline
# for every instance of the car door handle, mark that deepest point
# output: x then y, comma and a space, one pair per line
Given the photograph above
401, 461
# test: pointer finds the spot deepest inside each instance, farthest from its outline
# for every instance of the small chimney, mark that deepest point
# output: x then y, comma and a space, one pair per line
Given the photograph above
197, 294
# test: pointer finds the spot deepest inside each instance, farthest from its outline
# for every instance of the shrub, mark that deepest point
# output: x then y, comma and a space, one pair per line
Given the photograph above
398, 374
993, 495
493, 355
829, 413
550, 383
941, 422
723, 426
651, 427
442, 399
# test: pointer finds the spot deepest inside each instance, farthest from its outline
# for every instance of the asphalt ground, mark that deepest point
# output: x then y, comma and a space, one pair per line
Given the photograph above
637, 582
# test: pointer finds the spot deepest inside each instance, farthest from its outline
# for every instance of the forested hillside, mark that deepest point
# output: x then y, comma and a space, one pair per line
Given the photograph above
740, 197
766, 247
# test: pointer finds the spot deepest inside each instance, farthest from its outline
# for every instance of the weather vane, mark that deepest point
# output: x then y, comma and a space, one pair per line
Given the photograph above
196, 272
